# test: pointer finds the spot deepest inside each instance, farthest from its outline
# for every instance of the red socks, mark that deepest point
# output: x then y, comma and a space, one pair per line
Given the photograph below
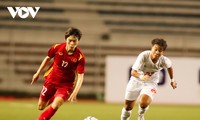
47, 114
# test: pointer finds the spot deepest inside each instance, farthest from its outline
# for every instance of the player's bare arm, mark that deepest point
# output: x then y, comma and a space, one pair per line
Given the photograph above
42, 66
77, 87
173, 82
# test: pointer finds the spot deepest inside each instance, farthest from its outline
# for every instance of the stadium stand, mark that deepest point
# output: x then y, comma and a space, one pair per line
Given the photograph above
110, 27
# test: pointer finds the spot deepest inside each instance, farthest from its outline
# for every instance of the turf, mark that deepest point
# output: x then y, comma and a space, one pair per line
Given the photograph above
27, 110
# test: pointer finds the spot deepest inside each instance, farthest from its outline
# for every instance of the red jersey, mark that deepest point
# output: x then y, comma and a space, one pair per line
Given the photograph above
65, 67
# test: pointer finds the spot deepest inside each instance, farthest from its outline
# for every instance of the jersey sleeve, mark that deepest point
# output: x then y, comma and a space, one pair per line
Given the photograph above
81, 64
167, 62
51, 52
139, 61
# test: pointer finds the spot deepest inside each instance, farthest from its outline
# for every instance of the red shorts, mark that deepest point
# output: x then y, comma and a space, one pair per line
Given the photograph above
50, 90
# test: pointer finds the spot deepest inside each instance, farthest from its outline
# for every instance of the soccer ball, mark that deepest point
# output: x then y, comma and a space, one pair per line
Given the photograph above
90, 118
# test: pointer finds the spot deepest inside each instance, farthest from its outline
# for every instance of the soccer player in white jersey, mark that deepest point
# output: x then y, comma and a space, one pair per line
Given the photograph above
145, 77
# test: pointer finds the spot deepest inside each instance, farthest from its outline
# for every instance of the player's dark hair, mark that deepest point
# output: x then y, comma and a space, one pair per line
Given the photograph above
161, 42
73, 31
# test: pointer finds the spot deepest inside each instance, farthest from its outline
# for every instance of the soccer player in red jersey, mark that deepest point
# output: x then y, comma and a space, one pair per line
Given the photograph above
64, 77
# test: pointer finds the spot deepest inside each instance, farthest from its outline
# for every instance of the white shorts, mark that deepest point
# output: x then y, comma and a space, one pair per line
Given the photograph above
135, 88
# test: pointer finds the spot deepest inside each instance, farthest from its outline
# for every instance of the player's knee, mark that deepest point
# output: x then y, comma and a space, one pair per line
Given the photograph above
57, 102
128, 108
145, 101
41, 107
144, 105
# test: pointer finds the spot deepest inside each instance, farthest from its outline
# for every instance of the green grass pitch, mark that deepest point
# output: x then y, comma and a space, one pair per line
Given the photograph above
27, 110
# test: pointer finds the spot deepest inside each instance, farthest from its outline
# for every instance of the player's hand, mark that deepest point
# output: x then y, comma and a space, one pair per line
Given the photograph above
174, 84
35, 78
145, 77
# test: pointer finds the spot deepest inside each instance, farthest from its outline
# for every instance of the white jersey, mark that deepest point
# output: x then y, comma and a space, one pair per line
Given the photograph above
144, 65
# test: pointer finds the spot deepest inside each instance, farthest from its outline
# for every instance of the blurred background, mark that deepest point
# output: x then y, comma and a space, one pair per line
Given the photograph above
110, 28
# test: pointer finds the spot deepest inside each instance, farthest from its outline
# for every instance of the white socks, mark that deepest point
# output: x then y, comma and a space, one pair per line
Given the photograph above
125, 115
142, 110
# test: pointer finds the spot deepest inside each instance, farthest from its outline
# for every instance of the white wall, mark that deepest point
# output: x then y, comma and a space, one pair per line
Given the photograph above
186, 72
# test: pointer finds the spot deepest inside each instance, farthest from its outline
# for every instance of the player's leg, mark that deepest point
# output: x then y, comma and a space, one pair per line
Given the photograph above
126, 111
58, 101
46, 94
131, 94
48, 113
61, 96
146, 96
144, 103
42, 104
